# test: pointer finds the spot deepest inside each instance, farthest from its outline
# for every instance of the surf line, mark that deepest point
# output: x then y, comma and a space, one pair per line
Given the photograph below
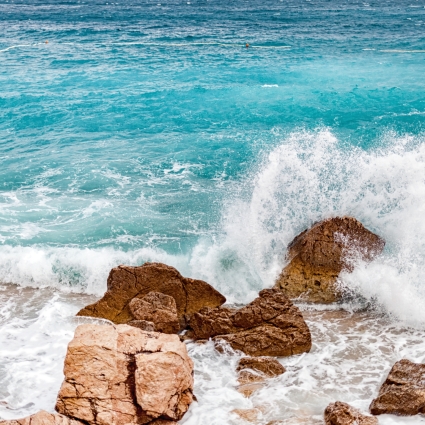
402, 51
22, 45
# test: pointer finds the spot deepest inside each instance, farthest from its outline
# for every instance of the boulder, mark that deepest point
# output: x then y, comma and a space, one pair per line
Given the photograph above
339, 413
43, 418
126, 282
254, 371
403, 392
122, 375
318, 255
269, 326
157, 308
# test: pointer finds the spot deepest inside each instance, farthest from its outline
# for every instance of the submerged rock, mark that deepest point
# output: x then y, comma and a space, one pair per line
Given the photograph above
340, 413
403, 392
43, 418
317, 256
157, 308
269, 326
254, 371
126, 283
122, 375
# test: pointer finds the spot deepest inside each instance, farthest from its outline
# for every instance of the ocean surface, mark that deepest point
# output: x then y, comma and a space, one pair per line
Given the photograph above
136, 131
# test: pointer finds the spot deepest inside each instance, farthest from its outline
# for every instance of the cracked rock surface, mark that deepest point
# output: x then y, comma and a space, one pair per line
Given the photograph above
269, 326
126, 283
340, 413
318, 255
403, 392
122, 375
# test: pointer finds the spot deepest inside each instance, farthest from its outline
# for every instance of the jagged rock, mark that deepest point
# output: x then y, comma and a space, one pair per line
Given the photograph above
144, 325
122, 375
254, 371
269, 326
160, 309
403, 392
340, 413
43, 418
126, 283
317, 256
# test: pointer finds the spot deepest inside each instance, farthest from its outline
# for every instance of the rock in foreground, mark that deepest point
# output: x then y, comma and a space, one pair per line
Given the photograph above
122, 375
317, 256
126, 283
403, 392
43, 418
269, 326
339, 413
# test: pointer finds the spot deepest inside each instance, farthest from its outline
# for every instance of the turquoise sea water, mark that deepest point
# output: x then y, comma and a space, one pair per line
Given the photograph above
143, 130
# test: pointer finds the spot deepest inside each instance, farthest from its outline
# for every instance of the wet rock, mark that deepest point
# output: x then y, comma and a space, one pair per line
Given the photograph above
340, 413
269, 326
144, 325
160, 309
249, 415
403, 392
122, 375
42, 418
254, 371
126, 283
317, 256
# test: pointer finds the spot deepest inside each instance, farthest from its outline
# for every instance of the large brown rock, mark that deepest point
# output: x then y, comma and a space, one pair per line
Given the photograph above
158, 308
403, 392
340, 413
126, 283
122, 375
269, 326
43, 418
318, 255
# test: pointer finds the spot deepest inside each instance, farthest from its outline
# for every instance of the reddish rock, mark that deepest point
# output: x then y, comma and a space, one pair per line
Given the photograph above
122, 375
339, 413
258, 369
160, 309
403, 392
269, 326
43, 418
318, 255
144, 325
126, 283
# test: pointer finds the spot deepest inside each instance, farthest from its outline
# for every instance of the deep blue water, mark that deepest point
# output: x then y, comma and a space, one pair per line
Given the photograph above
141, 130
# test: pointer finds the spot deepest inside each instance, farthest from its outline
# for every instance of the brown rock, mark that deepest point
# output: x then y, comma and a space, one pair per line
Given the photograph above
339, 413
109, 377
403, 392
258, 369
317, 256
269, 326
43, 418
126, 283
250, 415
144, 325
157, 308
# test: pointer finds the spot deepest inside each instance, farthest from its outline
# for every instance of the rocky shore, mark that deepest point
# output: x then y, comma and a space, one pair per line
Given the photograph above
135, 369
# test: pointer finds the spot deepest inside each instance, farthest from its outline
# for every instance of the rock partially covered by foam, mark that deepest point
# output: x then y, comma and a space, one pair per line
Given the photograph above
126, 283
43, 418
269, 326
318, 255
254, 371
122, 375
403, 392
340, 413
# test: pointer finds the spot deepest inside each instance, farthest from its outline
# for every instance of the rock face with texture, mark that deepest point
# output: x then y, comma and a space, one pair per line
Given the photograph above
126, 283
122, 375
43, 418
160, 309
403, 392
317, 256
254, 371
339, 413
269, 326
